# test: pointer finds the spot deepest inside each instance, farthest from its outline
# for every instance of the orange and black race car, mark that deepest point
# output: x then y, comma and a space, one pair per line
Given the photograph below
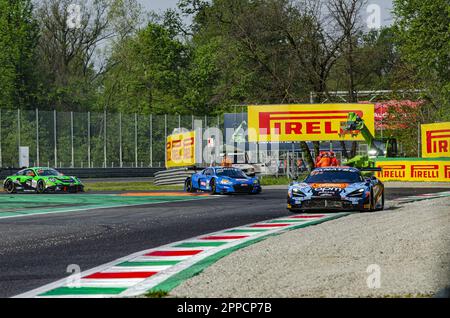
337, 188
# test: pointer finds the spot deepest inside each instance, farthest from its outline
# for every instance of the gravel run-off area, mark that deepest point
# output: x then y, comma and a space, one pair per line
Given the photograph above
408, 246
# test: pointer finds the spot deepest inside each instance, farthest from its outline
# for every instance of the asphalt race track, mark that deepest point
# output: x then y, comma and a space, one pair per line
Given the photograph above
36, 249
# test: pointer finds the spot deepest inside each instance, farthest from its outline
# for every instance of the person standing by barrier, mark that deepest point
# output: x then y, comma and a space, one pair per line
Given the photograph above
318, 158
325, 161
334, 161
226, 161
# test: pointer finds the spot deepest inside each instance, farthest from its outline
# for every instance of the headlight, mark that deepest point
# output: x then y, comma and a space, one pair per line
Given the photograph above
372, 152
357, 193
297, 193
225, 181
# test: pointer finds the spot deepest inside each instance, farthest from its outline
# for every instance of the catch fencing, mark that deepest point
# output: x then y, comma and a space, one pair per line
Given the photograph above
90, 140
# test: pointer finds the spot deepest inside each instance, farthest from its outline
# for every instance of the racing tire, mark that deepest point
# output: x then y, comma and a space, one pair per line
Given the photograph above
212, 185
10, 187
188, 185
40, 187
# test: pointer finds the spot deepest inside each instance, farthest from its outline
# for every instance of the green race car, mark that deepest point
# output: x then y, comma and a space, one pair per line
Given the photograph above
41, 180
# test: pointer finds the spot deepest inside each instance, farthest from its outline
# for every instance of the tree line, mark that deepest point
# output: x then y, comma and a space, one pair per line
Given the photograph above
112, 55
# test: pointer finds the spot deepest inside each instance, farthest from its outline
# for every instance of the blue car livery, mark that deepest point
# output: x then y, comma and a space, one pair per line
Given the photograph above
222, 180
336, 188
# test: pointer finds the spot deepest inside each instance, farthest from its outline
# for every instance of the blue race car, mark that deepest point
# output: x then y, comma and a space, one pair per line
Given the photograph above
222, 180
337, 188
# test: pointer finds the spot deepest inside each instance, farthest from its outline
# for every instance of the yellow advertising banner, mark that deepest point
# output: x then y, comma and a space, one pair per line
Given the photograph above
305, 122
180, 150
414, 169
436, 140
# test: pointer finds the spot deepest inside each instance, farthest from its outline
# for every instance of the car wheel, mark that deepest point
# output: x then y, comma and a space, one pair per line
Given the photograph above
212, 186
188, 185
40, 188
10, 187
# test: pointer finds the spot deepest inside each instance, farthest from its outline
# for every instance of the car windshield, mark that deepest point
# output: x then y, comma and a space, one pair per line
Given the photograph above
334, 176
48, 172
232, 173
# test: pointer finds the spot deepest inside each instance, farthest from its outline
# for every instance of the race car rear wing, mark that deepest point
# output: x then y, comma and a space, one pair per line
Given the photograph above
370, 169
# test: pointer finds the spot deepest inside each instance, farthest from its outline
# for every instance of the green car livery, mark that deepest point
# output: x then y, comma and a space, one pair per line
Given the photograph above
41, 180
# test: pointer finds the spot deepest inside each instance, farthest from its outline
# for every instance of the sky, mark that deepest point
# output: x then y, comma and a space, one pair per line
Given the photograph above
384, 5
159, 5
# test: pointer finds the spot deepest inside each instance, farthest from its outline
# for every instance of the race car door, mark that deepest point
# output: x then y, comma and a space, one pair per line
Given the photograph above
205, 178
26, 179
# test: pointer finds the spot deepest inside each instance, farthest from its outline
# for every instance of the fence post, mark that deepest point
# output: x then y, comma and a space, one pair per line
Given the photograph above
89, 139
165, 138
151, 140
120, 140
18, 134
419, 146
1, 159
135, 141
104, 138
37, 137
192, 119
55, 139
72, 162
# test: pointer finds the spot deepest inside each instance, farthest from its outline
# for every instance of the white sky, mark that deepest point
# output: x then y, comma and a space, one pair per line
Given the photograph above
161, 5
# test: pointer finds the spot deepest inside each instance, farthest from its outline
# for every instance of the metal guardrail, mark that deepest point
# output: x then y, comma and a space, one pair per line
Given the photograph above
96, 172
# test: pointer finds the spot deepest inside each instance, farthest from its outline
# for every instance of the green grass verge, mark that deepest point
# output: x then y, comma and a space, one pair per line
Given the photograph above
156, 294
269, 180
149, 186
281, 180
128, 186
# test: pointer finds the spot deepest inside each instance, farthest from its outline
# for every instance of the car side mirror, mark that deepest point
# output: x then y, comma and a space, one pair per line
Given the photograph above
295, 178
251, 174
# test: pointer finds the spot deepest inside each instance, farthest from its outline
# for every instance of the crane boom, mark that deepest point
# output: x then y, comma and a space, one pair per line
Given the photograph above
384, 147
355, 125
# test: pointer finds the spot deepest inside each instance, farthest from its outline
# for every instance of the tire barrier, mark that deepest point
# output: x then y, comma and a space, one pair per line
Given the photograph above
173, 176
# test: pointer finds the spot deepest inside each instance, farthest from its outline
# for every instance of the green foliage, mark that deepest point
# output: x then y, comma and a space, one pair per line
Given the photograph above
127, 186
18, 38
235, 52
147, 72
423, 34
202, 78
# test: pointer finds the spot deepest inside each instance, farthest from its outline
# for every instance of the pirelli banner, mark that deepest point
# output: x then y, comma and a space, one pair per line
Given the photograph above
436, 140
305, 122
180, 150
414, 169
